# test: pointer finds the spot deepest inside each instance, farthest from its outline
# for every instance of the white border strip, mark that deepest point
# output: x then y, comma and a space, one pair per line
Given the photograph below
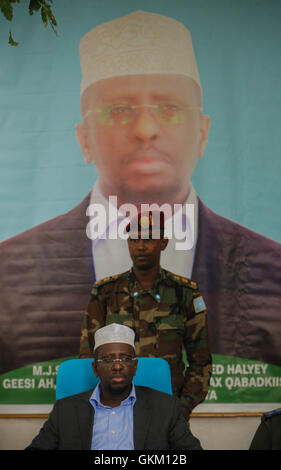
235, 407
203, 408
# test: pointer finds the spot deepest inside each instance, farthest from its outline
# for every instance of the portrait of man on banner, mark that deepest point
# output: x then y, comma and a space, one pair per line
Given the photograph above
144, 128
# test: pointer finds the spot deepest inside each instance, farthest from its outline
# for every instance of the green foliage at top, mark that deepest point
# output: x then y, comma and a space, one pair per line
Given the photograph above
44, 6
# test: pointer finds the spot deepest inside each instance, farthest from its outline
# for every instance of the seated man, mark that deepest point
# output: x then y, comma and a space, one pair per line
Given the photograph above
166, 311
117, 415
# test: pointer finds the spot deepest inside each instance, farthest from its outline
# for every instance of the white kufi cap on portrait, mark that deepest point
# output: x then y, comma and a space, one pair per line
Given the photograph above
138, 43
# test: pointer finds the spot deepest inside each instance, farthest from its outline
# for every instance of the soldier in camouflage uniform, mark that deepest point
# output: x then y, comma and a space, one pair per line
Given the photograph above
167, 317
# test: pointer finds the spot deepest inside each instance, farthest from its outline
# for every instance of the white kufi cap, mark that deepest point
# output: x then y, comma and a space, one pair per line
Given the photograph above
139, 43
114, 333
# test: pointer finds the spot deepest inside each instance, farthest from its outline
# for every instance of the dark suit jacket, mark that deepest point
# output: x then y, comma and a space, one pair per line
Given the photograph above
158, 424
46, 276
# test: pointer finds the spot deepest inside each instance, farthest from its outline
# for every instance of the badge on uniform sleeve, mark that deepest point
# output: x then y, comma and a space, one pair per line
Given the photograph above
199, 305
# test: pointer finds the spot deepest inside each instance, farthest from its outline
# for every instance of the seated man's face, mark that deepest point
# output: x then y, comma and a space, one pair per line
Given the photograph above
116, 377
143, 153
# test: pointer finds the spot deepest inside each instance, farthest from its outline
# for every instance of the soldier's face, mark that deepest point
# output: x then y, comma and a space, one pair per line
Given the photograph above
145, 253
150, 155
116, 378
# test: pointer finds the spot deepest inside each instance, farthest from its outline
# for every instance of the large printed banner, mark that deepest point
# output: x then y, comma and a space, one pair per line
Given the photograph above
234, 380
176, 104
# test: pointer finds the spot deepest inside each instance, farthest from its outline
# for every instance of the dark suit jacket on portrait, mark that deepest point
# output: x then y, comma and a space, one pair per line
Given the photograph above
158, 424
46, 276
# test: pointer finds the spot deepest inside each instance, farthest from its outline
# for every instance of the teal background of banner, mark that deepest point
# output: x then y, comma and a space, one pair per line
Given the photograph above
237, 46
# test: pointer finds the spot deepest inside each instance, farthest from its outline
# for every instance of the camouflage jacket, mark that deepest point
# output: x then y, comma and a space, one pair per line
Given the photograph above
166, 319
